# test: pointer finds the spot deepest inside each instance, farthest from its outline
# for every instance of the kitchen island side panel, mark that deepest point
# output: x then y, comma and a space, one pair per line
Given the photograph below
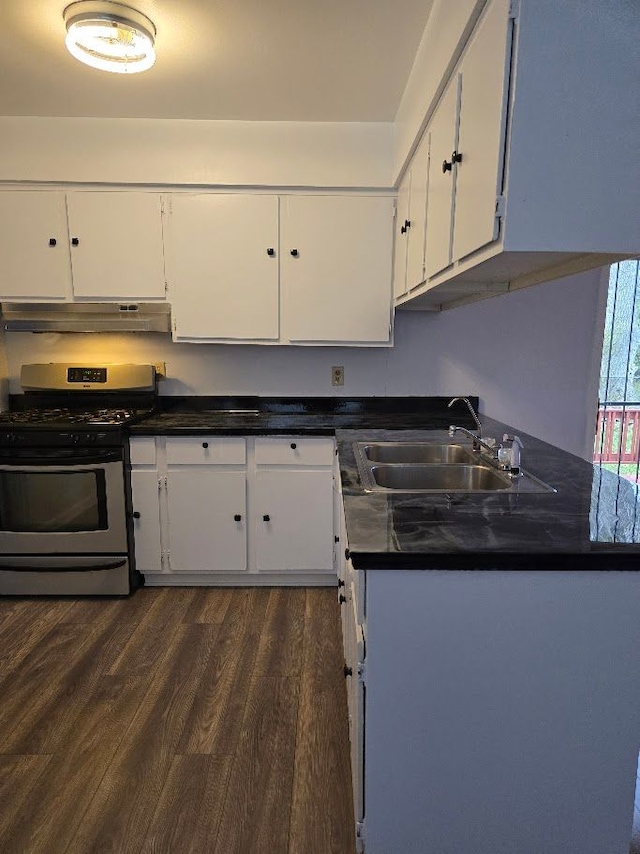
503, 711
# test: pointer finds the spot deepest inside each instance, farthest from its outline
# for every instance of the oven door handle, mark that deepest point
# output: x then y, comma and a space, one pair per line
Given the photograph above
54, 563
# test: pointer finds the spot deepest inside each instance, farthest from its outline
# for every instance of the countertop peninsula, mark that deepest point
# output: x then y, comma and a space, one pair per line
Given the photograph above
592, 521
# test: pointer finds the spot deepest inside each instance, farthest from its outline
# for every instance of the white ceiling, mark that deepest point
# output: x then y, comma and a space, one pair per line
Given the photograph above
253, 60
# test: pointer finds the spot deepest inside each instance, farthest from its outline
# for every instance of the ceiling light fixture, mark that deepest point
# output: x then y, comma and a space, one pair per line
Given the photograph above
110, 36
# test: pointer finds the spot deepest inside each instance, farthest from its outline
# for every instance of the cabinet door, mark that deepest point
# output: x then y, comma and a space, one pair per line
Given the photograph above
146, 528
119, 253
443, 131
204, 535
401, 237
223, 266
354, 657
337, 285
483, 111
34, 247
294, 521
416, 232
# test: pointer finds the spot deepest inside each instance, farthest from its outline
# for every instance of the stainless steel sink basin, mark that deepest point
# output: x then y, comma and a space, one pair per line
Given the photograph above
439, 478
436, 467
416, 452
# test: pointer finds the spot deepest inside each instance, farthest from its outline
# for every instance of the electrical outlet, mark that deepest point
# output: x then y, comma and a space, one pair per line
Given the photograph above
337, 375
161, 369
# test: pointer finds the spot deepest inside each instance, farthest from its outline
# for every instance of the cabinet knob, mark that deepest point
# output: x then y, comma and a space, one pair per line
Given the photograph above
295, 253
271, 252
75, 241
407, 224
52, 241
456, 157
342, 599
293, 446
237, 518
136, 514
446, 166
348, 671
205, 444
266, 518
341, 582
403, 229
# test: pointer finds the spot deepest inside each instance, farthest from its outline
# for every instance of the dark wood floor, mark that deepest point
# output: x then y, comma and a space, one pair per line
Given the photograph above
210, 721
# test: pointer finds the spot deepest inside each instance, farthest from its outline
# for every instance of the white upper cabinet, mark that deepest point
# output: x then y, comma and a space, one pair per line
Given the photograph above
480, 143
34, 246
417, 220
223, 253
534, 163
82, 245
336, 268
401, 236
411, 222
289, 269
116, 245
442, 175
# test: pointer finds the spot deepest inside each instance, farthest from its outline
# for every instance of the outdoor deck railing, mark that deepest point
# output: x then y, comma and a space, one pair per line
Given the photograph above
618, 433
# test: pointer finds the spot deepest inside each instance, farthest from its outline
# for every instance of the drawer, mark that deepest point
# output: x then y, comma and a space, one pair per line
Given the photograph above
206, 450
143, 451
295, 450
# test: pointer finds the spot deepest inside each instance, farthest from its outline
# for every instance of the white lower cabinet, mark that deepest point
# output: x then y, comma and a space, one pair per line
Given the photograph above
228, 509
206, 520
146, 519
294, 512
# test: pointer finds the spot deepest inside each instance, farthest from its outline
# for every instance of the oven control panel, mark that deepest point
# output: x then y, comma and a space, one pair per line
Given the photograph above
86, 375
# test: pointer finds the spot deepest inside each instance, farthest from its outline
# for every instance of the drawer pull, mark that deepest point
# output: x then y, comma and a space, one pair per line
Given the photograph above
237, 518
136, 515
266, 518
205, 444
293, 446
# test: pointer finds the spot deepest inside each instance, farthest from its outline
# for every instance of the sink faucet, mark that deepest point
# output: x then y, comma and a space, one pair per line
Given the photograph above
471, 410
478, 441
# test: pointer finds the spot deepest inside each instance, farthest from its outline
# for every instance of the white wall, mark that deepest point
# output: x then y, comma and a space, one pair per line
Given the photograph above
532, 357
167, 152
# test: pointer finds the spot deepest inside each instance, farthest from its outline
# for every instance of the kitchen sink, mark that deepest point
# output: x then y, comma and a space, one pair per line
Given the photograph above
416, 452
436, 467
440, 478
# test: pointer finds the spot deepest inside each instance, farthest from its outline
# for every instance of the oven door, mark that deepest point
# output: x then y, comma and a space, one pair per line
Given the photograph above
62, 502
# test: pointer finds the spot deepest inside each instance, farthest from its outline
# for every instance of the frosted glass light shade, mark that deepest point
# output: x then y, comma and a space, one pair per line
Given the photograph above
110, 36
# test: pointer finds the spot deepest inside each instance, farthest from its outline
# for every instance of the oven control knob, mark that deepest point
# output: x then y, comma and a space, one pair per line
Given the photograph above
75, 438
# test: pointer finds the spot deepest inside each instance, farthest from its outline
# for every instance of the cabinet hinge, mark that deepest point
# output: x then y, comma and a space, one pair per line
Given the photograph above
168, 556
500, 206
166, 287
514, 9
394, 211
165, 482
159, 484
173, 323
360, 837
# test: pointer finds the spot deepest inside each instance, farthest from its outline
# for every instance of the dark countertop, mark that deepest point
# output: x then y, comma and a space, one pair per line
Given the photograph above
250, 416
591, 522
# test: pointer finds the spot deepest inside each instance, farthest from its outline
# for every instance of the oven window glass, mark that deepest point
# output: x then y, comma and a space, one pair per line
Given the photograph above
53, 501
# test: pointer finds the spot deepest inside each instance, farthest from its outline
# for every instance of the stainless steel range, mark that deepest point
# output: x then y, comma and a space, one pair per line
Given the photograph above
65, 506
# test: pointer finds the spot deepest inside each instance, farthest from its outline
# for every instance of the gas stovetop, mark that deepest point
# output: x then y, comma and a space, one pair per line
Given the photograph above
65, 417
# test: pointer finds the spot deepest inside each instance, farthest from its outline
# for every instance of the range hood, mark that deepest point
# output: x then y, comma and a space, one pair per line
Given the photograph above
86, 317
